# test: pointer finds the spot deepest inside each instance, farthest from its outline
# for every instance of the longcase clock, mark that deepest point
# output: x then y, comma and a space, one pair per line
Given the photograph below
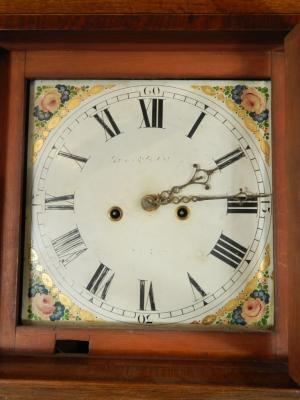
149, 225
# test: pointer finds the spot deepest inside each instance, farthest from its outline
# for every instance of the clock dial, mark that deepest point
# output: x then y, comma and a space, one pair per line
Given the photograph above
106, 155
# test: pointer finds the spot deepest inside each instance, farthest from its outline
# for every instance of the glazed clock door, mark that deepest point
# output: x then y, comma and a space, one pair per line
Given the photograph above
149, 202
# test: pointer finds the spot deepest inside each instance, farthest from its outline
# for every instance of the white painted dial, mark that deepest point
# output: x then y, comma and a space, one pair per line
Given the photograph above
140, 138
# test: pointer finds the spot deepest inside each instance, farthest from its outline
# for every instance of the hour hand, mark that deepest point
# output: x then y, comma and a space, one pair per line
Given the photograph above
201, 176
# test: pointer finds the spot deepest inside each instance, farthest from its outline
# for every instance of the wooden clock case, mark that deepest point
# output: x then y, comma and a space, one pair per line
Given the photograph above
135, 39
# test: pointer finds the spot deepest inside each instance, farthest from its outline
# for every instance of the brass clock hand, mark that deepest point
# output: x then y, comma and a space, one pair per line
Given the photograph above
200, 176
152, 202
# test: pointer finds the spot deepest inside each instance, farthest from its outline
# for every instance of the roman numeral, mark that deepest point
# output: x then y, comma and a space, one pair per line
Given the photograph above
65, 202
230, 158
146, 296
238, 206
229, 251
153, 119
80, 161
69, 246
196, 288
108, 123
100, 282
197, 123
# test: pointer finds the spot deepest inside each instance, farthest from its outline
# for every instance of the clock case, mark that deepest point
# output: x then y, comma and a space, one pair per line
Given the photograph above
129, 362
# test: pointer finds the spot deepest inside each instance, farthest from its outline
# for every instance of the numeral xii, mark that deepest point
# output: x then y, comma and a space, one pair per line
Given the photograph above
152, 117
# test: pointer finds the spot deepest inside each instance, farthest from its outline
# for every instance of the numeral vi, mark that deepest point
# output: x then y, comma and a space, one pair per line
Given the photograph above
146, 296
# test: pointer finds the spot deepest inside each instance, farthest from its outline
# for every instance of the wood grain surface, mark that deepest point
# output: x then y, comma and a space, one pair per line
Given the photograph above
150, 22
27, 390
293, 177
151, 7
138, 62
95, 369
145, 15
181, 41
280, 201
13, 101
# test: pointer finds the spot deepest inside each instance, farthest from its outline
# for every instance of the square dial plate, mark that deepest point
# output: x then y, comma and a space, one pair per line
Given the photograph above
149, 202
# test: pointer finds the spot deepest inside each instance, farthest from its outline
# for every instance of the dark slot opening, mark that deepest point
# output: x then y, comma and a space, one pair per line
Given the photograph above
72, 346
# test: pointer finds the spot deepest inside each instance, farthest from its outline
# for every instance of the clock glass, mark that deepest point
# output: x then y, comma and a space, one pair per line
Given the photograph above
149, 202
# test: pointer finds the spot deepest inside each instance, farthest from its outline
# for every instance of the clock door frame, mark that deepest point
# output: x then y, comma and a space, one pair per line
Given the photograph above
149, 355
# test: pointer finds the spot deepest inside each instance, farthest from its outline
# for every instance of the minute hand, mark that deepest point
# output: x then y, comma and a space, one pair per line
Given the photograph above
152, 202
241, 196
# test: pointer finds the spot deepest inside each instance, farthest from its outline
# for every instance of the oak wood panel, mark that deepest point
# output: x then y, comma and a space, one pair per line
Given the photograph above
26, 390
150, 22
12, 176
280, 203
93, 369
292, 45
146, 6
145, 64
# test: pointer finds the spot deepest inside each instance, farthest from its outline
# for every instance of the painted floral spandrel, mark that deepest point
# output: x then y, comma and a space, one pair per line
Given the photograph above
45, 302
251, 105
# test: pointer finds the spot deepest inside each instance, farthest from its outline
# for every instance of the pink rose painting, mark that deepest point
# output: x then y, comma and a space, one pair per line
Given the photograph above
253, 101
49, 100
253, 310
43, 305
